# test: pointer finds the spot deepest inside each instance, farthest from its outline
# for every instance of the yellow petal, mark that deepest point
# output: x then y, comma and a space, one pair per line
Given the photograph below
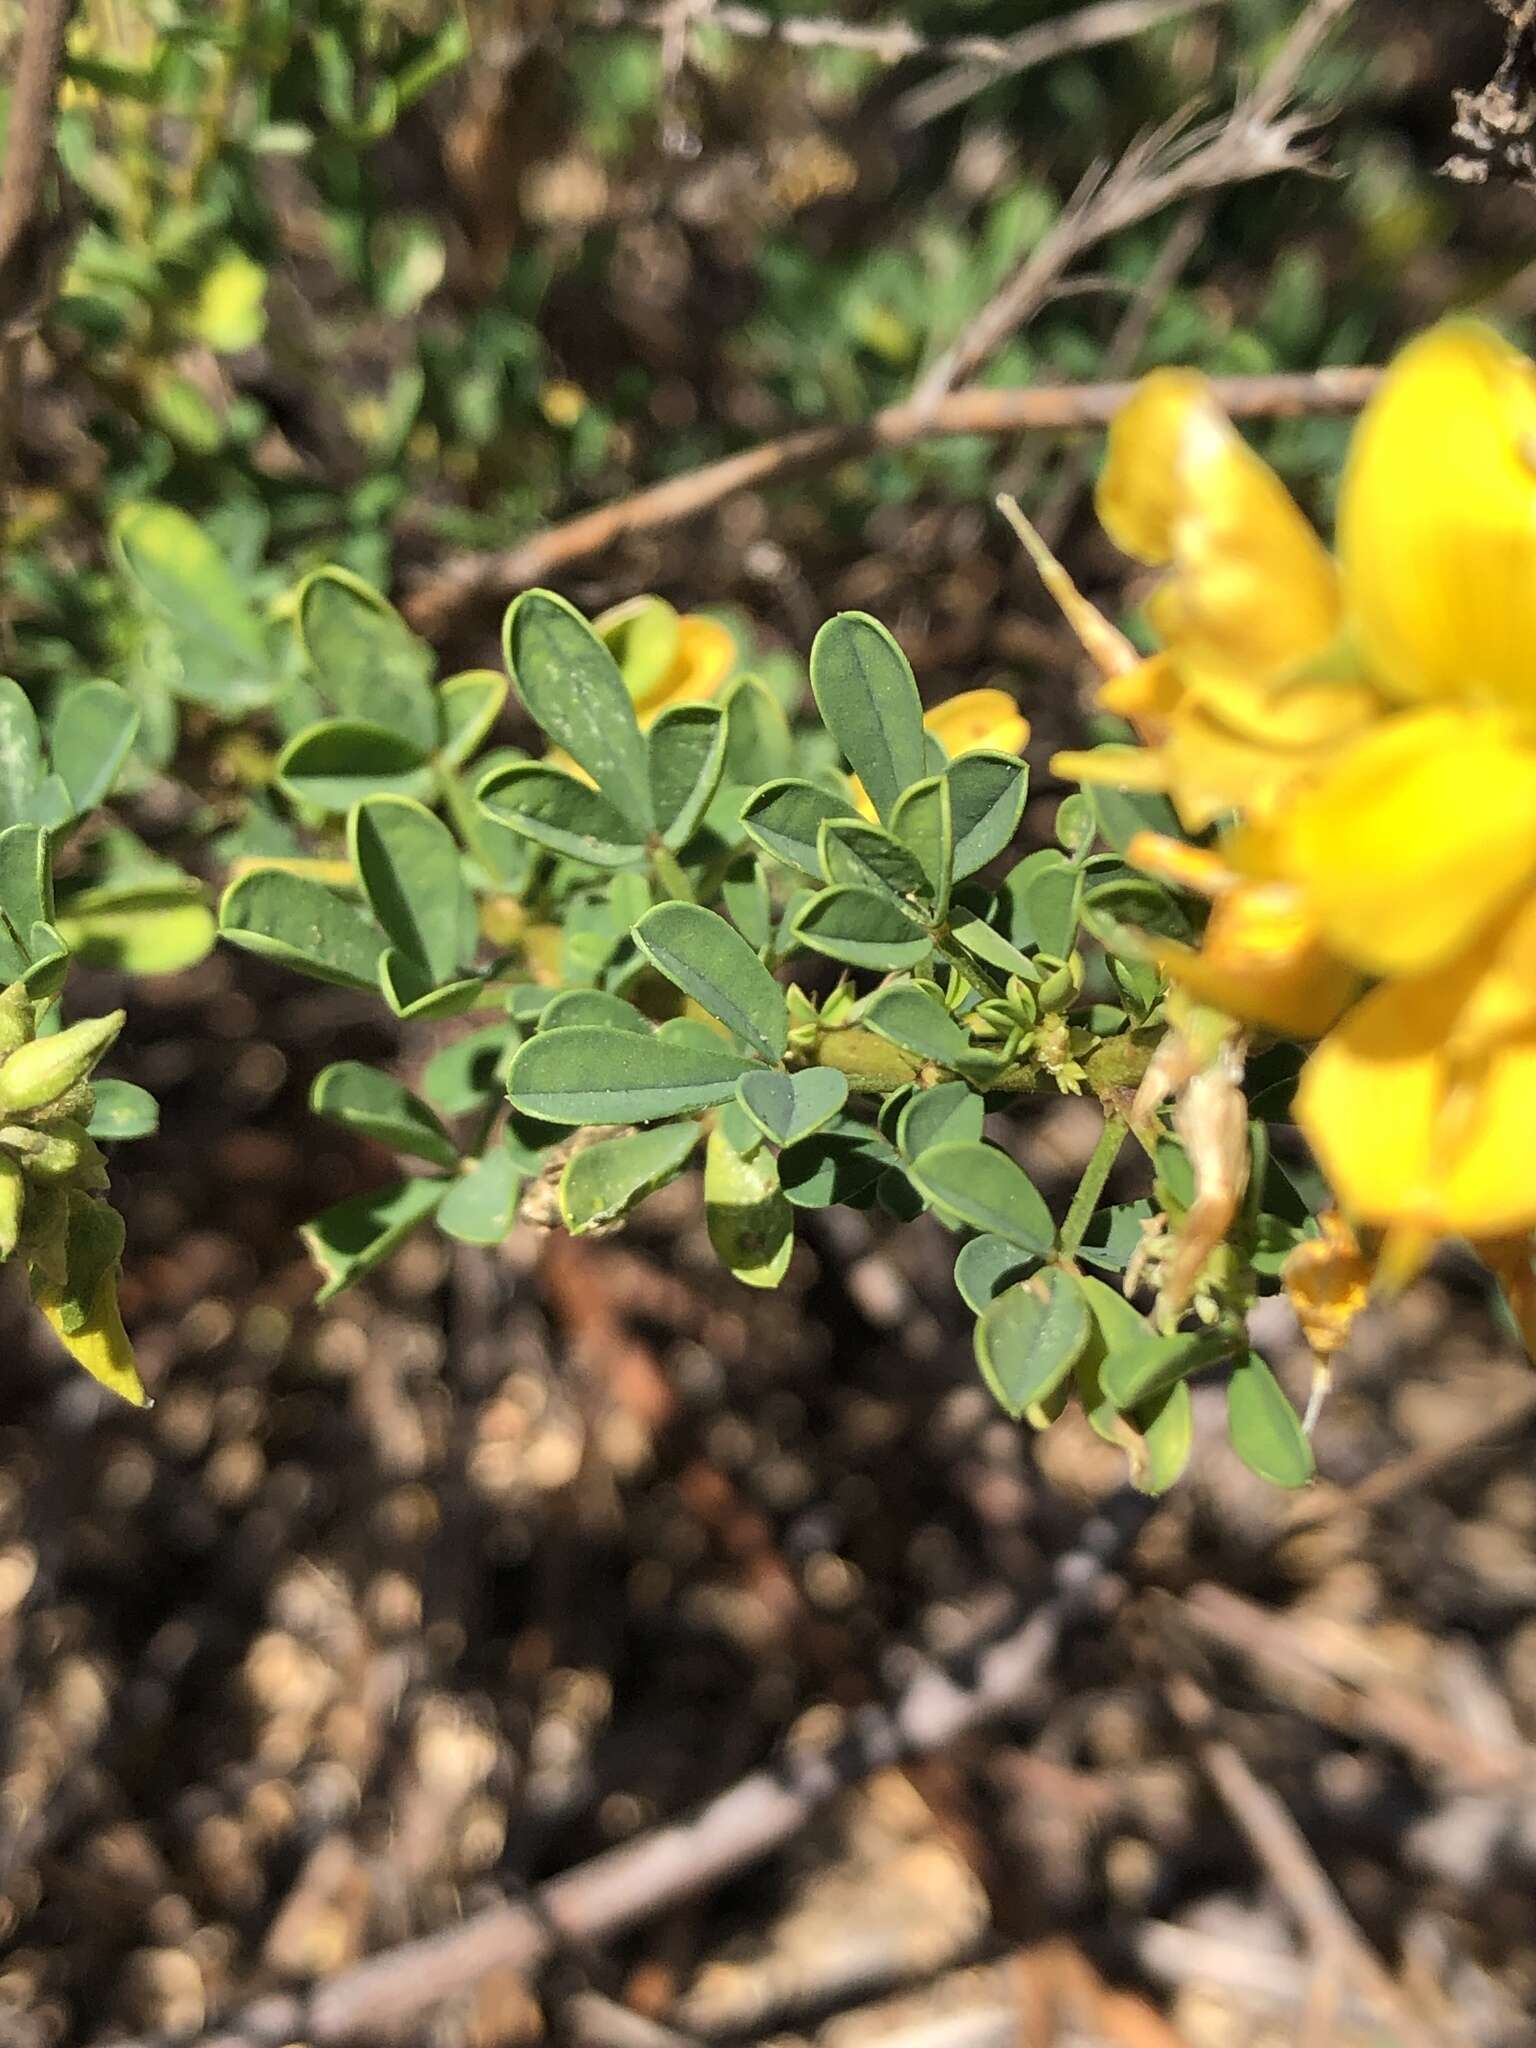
102, 1346
1134, 768
1253, 591
1416, 837
1370, 1099
1437, 521
1261, 960
1490, 1144
978, 718
1147, 696
704, 656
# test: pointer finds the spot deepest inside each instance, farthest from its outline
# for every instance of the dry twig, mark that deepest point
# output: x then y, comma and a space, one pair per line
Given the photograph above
25, 246
627, 1885
1275, 1647
1257, 139
1060, 408
1287, 1858
984, 57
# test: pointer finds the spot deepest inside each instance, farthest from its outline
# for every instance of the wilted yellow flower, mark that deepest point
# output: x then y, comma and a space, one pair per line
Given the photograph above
976, 718
1327, 1281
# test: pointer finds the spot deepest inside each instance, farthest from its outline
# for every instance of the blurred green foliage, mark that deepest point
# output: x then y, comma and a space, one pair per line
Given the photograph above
365, 281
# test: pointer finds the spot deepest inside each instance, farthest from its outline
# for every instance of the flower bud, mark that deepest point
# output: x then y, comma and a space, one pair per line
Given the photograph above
16, 1023
36, 1073
13, 1195
67, 1152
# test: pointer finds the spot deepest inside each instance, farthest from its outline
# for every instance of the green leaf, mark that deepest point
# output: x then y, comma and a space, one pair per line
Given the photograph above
748, 900
686, 750
378, 1106
1133, 1373
122, 1110
787, 1107
1029, 1338
465, 1075
593, 1006
856, 851
1168, 1430
868, 700
919, 1024
293, 919
861, 928
335, 764
947, 1113
92, 735
221, 650
757, 735
26, 895
481, 1206
593, 1075
977, 938
985, 1267
409, 865
468, 706
572, 687
555, 810
1119, 914
1043, 894
1114, 1235
987, 792
412, 991
988, 1191
842, 1162
924, 823
700, 954
368, 665
1155, 1436
161, 929
603, 1182
1122, 814
1265, 1429
750, 1224
352, 1238
21, 753
785, 819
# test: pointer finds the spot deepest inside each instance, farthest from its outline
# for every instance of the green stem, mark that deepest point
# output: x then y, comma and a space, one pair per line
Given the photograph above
1091, 1186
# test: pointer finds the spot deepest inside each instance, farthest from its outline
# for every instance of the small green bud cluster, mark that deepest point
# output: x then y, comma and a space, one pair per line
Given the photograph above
47, 1156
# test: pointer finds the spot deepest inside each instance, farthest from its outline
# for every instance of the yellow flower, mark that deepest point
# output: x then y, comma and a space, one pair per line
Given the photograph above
976, 718
667, 658
1363, 728
1254, 686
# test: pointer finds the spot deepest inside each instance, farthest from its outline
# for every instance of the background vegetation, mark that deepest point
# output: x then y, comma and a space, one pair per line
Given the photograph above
385, 1615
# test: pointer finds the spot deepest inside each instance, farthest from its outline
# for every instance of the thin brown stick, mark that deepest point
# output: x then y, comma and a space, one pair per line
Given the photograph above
624, 1886
1060, 408
1123, 354
1286, 1855
892, 42
1421, 1468
754, 1817
1085, 30
1154, 174
24, 254
29, 142
1257, 139
1277, 1649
